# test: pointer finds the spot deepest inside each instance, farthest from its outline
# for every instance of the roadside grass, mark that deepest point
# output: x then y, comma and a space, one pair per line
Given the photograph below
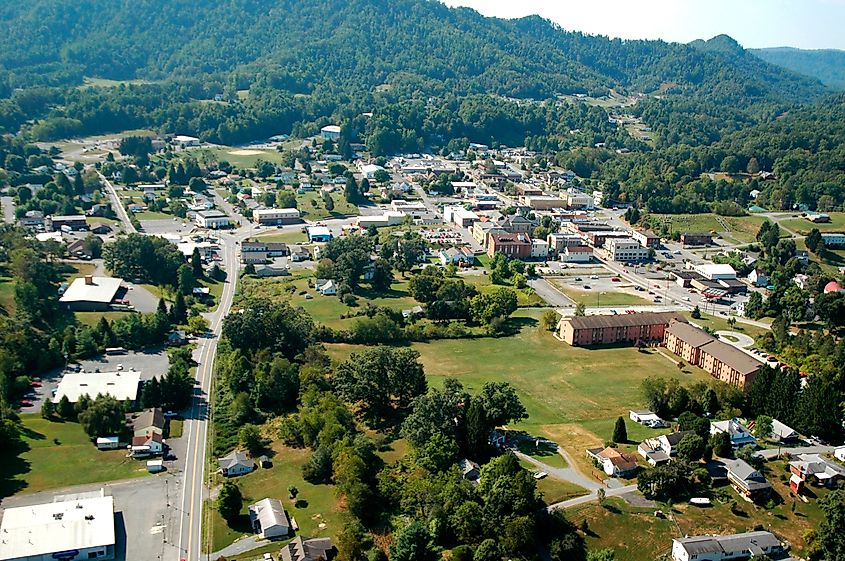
554, 490
316, 504
288, 237
600, 298
543, 453
7, 295
721, 324
93, 318
60, 454
149, 215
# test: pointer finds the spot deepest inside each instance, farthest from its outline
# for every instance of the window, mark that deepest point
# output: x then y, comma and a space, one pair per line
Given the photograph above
92, 554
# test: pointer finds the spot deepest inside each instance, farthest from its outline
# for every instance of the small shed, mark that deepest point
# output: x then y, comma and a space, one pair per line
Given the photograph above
155, 466
108, 443
265, 462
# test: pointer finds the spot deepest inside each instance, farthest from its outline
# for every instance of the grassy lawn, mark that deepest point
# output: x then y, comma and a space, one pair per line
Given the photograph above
148, 215
741, 229
600, 298
313, 208
78, 270
176, 426
7, 295
317, 504
803, 226
647, 537
59, 455
554, 490
241, 158
93, 318
558, 384
546, 454
525, 297
288, 237
717, 323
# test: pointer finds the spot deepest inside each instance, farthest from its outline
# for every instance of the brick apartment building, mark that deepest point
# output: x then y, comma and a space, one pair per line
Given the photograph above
647, 327
721, 360
512, 246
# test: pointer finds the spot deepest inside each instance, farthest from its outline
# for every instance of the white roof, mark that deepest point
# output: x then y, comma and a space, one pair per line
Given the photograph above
318, 231
370, 168
275, 212
187, 248
782, 430
716, 269
101, 289
331, 128
185, 138
48, 236
120, 385
269, 513
73, 524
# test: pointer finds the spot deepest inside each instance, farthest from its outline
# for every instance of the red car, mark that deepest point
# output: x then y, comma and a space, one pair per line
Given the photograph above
35, 384
26, 403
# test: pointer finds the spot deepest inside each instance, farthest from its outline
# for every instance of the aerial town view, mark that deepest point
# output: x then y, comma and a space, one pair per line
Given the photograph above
422, 280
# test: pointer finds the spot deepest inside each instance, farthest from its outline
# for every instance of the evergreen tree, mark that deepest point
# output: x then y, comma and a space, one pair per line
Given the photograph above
620, 432
65, 409
230, 501
151, 394
350, 192
196, 264
179, 310
477, 429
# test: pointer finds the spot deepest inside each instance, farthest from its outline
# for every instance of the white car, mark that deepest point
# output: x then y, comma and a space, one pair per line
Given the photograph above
540, 475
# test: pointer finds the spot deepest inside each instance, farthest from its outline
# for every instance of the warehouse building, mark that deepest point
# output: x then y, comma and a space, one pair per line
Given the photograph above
78, 527
122, 385
276, 216
90, 293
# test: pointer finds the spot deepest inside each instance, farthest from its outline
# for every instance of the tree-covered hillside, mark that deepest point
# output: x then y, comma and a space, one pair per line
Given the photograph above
826, 65
360, 43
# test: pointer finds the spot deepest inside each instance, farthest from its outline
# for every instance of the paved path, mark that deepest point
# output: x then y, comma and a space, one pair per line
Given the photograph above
243, 545
550, 294
8, 209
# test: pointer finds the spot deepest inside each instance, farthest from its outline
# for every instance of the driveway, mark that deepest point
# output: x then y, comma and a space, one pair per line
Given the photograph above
742, 340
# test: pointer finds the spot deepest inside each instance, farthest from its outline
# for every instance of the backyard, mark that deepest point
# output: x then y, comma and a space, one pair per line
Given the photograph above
60, 454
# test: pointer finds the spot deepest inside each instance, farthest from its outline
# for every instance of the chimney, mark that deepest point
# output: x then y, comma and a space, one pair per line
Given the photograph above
89, 280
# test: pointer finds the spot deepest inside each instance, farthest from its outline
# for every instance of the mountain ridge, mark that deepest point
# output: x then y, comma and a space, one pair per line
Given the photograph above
826, 65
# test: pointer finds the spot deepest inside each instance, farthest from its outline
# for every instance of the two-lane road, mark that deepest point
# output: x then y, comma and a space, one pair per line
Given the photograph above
117, 205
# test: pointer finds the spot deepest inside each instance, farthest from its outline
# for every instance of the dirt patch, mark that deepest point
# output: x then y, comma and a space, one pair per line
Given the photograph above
245, 152
575, 439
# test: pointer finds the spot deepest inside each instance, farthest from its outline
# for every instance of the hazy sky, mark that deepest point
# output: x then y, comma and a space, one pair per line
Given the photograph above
808, 24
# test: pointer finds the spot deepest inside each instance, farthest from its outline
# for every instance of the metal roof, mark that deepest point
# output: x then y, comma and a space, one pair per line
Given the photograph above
101, 289
122, 385
623, 320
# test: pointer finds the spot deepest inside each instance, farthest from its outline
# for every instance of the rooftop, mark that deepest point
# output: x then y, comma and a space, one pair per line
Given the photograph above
749, 541
92, 289
622, 320
73, 524
689, 334
269, 513
120, 385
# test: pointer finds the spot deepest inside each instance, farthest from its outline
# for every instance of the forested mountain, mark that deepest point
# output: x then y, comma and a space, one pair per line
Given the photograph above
358, 43
826, 65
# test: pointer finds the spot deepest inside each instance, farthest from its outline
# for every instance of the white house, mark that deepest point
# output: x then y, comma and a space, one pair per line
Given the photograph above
269, 519
614, 462
150, 444
758, 278
719, 548
235, 463
108, 443
213, 220
326, 287
738, 433
330, 132
839, 453
643, 416
782, 432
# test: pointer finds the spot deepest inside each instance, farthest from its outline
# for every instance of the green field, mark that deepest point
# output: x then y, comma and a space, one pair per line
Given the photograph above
525, 297
93, 318
314, 208
7, 295
557, 383
288, 238
317, 504
721, 324
741, 229
238, 157
60, 454
600, 298
803, 226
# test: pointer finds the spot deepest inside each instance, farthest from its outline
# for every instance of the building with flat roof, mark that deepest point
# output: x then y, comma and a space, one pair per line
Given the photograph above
459, 215
625, 250
90, 293
276, 216
122, 385
319, 234
80, 527
718, 548
696, 238
716, 271
833, 240
213, 220
512, 246
612, 329
646, 238
74, 222
330, 132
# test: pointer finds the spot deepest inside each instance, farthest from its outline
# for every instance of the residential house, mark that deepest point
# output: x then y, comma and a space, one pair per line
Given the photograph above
269, 519
614, 462
176, 338
150, 444
660, 446
267, 271
456, 256
469, 469
646, 418
839, 453
738, 434
782, 432
746, 480
721, 548
235, 463
326, 287
816, 469
147, 421
316, 549
758, 278
299, 253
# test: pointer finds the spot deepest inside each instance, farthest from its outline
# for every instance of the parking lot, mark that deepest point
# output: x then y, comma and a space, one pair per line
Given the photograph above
148, 363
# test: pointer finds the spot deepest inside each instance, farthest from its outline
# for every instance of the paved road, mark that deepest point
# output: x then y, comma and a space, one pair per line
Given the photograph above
8, 209
550, 294
774, 452
117, 205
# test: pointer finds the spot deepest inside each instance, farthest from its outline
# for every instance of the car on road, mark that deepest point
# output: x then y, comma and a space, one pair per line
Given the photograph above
26, 403
35, 384
586, 287
540, 475
686, 298
578, 279
616, 279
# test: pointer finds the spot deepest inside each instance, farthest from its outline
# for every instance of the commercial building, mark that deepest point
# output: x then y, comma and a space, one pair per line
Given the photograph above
319, 234
389, 218
481, 231
646, 238
90, 293
213, 220
720, 548
576, 254
720, 360
696, 238
268, 249
512, 246
330, 132
833, 240
716, 271
72, 222
625, 250
122, 385
539, 249
544, 203
558, 241
611, 329
578, 200
276, 216
459, 215
80, 527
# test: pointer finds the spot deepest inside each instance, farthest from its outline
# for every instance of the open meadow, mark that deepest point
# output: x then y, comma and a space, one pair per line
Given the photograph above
734, 229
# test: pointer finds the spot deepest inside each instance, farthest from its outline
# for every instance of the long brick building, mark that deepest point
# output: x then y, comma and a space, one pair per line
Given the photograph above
582, 331
721, 360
